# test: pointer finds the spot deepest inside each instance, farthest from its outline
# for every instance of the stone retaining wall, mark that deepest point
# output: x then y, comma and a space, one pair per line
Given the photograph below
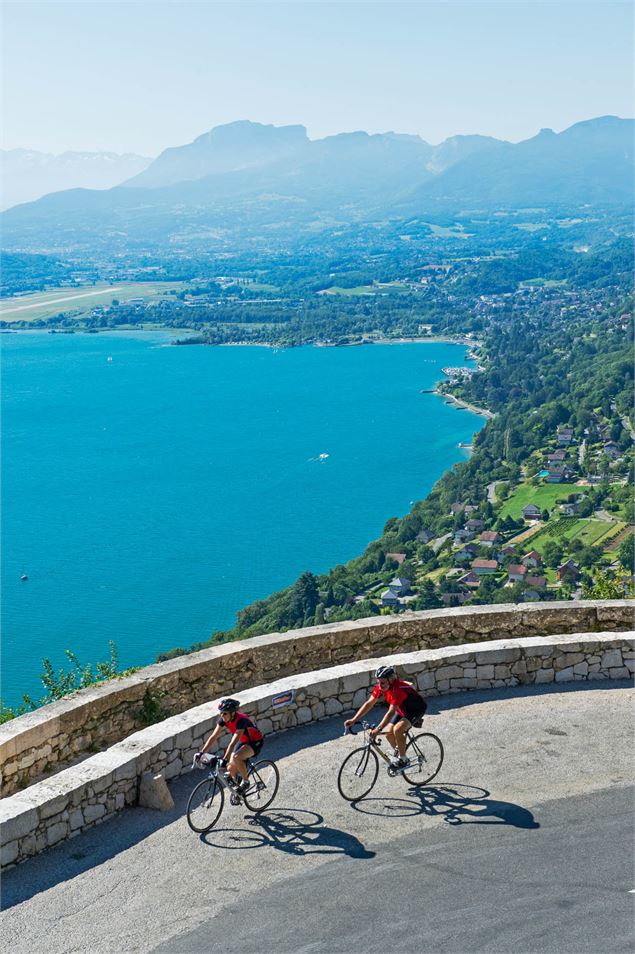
88, 793
55, 735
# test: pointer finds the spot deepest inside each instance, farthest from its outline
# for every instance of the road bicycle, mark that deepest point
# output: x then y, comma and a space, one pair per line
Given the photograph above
359, 770
206, 802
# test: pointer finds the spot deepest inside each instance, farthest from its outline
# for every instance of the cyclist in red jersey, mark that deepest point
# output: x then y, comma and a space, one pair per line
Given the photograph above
245, 743
405, 708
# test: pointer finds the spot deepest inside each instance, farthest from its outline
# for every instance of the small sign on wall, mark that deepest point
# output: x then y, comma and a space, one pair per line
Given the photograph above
283, 699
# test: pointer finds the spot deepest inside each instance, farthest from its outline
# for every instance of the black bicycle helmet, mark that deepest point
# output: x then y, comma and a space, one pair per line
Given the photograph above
385, 672
226, 705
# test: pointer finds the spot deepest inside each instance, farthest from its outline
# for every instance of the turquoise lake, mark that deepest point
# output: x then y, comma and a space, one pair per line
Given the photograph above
150, 491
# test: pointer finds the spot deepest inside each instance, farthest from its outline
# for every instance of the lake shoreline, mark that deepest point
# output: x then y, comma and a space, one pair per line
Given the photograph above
464, 405
176, 332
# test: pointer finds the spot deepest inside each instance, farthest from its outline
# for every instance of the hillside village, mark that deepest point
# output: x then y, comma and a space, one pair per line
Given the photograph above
536, 540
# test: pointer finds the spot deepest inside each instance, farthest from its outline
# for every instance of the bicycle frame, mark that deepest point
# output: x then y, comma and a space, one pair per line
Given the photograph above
375, 744
235, 795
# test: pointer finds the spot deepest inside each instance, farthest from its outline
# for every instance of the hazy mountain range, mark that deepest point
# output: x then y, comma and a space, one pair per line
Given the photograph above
247, 180
28, 174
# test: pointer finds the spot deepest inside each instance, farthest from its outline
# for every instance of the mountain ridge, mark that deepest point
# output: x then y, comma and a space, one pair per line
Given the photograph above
276, 178
29, 174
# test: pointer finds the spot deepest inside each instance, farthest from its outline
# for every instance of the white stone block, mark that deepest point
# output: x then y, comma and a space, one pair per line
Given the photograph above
9, 853
611, 658
485, 672
355, 681
93, 812
426, 680
56, 833
449, 672
303, 715
173, 769
17, 822
53, 806
565, 675
581, 668
76, 819
318, 709
544, 675
333, 706
619, 672
359, 698
495, 656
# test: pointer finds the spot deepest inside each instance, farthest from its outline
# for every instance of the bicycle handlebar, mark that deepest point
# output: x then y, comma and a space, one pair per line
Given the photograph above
199, 763
350, 729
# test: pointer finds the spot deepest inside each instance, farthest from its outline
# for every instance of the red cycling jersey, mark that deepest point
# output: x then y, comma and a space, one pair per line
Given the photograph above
243, 724
396, 694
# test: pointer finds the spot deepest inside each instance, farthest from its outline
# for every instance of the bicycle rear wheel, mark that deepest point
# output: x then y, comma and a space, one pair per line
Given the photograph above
425, 753
205, 805
358, 774
264, 779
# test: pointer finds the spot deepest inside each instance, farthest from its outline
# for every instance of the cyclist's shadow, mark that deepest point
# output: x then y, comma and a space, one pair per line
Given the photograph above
294, 831
455, 803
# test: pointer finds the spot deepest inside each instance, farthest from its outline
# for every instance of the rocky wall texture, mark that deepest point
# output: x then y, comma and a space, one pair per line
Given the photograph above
89, 793
40, 742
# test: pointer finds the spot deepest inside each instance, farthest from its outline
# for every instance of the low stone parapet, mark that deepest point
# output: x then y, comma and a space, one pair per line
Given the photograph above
55, 735
89, 793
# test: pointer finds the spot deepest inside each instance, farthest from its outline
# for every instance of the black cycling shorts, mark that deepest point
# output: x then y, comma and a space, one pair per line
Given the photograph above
256, 746
414, 709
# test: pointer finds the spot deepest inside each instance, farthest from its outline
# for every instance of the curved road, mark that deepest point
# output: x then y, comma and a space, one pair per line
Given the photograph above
523, 843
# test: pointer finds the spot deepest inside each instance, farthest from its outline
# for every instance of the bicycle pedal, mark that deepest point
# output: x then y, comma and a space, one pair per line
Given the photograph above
234, 799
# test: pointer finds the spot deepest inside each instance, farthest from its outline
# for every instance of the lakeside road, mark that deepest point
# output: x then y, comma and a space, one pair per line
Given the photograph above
459, 402
522, 843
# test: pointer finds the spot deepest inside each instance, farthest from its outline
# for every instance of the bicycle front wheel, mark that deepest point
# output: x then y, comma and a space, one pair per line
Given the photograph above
425, 754
358, 774
264, 779
205, 805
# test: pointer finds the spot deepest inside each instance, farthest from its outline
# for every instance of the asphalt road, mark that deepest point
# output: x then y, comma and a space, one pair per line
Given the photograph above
523, 843
494, 882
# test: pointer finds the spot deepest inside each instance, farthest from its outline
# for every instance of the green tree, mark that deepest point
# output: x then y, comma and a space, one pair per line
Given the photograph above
606, 587
304, 597
552, 553
626, 553
427, 597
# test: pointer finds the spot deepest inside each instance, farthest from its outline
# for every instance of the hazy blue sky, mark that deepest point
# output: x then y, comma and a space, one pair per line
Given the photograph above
137, 77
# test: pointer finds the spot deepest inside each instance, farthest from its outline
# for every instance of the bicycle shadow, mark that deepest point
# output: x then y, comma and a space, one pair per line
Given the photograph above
295, 831
454, 803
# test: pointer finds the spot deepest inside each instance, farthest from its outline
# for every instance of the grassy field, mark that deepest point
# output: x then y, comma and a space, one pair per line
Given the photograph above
349, 292
453, 231
527, 534
396, 287
544, 496
531, 226
588, 531
543, 283
78, 300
